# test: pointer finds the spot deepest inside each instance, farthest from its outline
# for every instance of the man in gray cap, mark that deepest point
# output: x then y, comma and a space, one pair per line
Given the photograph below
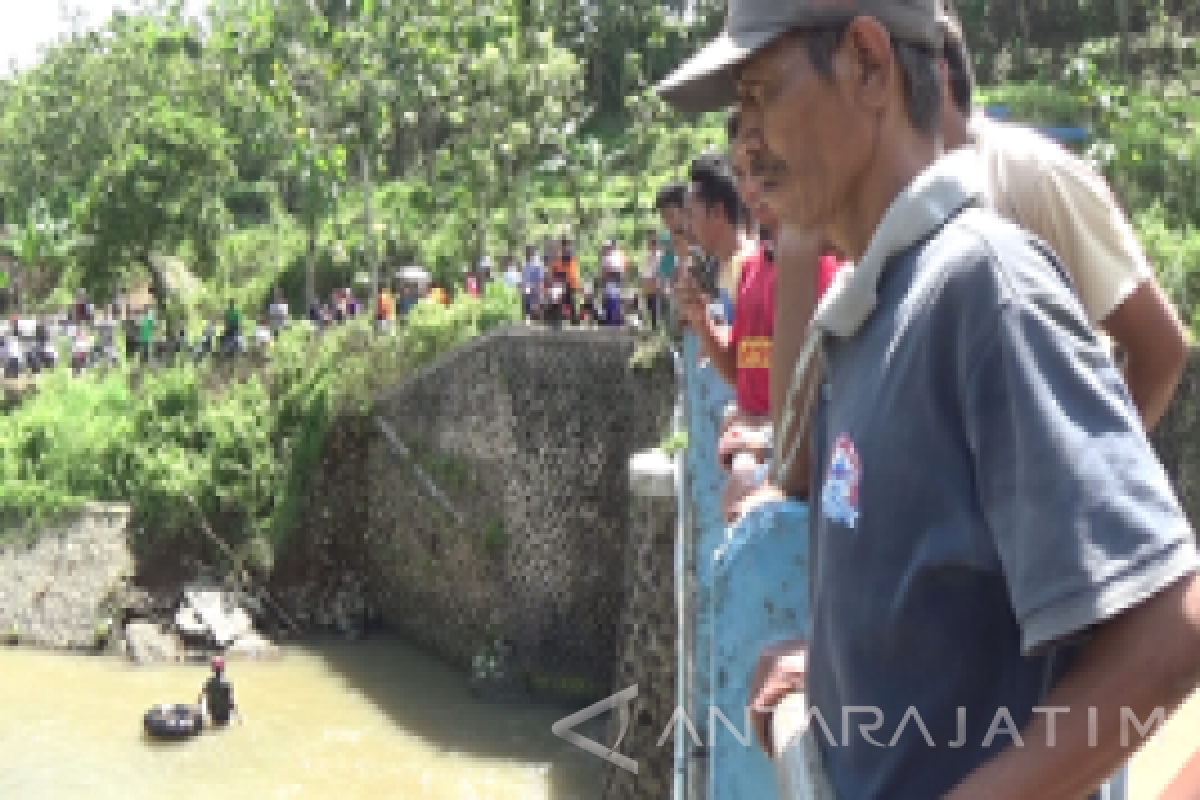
997, 556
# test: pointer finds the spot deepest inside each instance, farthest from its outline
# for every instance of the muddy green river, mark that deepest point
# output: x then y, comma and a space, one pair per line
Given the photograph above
375, 719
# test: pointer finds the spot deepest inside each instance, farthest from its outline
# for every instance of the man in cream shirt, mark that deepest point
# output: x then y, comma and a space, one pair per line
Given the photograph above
1049, 191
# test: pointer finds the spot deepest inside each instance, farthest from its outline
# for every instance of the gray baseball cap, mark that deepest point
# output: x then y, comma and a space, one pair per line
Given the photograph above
705, 82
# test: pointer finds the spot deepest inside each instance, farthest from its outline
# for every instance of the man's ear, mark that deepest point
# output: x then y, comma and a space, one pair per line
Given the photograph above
865, 65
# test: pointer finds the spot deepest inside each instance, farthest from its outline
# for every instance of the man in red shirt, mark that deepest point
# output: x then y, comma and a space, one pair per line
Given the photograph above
743, 356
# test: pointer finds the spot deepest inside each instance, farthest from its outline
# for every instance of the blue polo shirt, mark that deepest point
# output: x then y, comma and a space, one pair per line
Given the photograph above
984, 494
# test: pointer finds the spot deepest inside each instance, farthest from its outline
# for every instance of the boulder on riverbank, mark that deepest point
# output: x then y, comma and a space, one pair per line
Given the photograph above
214, 614
251, 646
148, 643
203, 620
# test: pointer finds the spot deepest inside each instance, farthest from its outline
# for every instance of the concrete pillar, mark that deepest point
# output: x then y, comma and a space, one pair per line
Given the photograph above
646, 637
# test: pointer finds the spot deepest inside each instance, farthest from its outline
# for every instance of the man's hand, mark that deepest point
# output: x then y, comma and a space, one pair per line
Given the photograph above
691, 300
782, 670
742, 436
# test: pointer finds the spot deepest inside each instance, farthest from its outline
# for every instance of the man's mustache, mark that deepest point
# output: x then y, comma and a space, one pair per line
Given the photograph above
767, 167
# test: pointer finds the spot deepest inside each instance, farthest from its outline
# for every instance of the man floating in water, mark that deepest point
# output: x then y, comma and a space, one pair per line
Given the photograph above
217, 696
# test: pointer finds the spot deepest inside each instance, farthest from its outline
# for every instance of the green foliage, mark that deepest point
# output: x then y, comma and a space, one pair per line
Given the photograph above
564, 687
494, 538
651, 352
1146, 141
160, 188
246, 450
41, 240
254, 148
675, 443
468, 133
433, 329
1175, 253
449, 472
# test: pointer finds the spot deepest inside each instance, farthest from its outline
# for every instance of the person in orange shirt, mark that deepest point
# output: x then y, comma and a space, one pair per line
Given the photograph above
438, 295
385, 307
566, 269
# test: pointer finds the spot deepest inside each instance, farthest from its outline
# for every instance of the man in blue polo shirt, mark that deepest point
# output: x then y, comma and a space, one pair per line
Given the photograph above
1004, 584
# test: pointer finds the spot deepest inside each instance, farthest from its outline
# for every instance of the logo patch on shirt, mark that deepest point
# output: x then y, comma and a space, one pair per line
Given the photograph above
754, 352
839, 498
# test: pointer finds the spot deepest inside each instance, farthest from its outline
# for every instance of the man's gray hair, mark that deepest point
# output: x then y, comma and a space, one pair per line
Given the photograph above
923, 86
922, 79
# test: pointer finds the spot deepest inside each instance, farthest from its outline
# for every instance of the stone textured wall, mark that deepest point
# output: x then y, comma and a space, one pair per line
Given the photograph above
62, 590
527, 433
320, 575
646, 654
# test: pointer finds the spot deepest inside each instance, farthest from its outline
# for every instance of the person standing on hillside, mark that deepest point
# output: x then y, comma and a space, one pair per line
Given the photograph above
533, 277
613, 263
279, 312
649, 276
512, 274
146, 334
232, 334
471, 282
82, 312
385, 308
565, 272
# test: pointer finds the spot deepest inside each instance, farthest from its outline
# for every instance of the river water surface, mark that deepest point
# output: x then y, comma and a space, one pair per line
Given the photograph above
375, 719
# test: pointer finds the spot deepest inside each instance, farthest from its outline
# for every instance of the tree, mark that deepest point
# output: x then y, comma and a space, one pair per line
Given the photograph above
41, 245
163, 184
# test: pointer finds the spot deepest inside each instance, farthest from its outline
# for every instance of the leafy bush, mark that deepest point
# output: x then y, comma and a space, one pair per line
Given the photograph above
1175, 254
433, 329
246, 450
1145, 140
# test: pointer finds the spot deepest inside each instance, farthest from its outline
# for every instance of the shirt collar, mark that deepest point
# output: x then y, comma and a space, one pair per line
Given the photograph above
937, 194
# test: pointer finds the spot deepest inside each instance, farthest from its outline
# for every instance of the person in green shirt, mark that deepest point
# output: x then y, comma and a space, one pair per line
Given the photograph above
230, 337
146, 334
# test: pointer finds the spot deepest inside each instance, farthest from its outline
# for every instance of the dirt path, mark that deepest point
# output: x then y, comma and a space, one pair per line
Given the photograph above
1165, 754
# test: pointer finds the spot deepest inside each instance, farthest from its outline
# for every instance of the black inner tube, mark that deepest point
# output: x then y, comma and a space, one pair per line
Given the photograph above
173, 722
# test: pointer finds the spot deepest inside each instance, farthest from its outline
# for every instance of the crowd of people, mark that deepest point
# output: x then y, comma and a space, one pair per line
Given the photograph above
554, 294
943, 336
625, 292
92, 336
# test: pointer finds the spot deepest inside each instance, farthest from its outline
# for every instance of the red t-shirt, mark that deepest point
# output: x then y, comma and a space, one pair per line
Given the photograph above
827, 269
753, 330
